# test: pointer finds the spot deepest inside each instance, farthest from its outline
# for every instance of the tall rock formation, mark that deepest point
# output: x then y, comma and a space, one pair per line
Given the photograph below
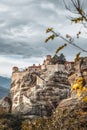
37, 90
71, 113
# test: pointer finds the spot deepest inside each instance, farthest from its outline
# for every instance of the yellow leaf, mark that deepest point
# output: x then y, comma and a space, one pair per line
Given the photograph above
77, 57
67, 36
50, 38
60, 48
49, 30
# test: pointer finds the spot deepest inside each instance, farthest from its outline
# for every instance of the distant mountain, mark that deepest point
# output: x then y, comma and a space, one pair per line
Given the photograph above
4, 86
5, 82
3, 92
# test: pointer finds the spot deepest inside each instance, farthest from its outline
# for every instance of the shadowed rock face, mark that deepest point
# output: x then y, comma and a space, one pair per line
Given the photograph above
5, 104
71, 114
38, 94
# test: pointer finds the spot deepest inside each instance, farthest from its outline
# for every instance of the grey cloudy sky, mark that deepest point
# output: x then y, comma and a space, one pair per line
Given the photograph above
22, 32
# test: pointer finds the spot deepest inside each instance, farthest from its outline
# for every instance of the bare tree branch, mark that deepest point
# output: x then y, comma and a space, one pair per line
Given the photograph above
76, 8
69, 41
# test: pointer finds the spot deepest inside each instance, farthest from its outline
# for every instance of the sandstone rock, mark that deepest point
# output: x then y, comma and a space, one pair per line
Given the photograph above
71, 114
39, 94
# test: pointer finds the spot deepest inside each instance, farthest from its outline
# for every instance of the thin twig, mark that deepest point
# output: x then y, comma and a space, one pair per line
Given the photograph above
69, 42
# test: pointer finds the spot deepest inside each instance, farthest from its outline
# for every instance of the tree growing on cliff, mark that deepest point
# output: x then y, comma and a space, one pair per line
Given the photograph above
76, 7
58, 59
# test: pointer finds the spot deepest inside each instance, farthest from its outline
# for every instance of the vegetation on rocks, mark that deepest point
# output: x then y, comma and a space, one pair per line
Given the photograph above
10, 122
78, 86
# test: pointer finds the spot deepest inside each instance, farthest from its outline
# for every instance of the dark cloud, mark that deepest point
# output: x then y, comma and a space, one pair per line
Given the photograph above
23, 24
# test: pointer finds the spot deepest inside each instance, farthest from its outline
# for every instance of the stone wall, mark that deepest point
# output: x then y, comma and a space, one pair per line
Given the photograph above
18, 75
43, 67
55, 68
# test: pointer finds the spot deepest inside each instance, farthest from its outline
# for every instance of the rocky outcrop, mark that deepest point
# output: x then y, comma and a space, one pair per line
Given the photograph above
71, 114
5, 104
38, 94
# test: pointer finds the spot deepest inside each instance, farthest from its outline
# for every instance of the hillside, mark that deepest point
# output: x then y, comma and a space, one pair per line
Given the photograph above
5, 82
3, 92
4, 86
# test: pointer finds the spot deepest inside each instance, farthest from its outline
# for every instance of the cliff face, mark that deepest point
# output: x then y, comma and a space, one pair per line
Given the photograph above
71, 113
37, 92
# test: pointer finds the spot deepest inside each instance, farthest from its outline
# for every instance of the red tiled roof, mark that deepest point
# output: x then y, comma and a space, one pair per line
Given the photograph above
35, 67
69, 62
